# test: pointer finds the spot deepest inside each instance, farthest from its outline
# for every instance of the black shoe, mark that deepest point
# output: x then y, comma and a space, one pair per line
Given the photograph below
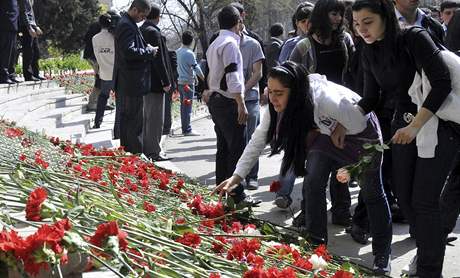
7, 81
96, 126
299, 220
359, 234
341, 221
108, 107
450, 239
382, 265
160, 158
32, 78
312, 239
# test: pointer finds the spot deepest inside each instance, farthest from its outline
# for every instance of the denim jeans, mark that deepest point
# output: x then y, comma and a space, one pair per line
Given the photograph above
419, 182
231, 138
253, 121
340, 195
106, 87
319, 165
186, 108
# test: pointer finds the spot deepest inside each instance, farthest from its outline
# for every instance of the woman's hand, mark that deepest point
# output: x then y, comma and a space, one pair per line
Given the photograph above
405, 135
338, 136
227, 186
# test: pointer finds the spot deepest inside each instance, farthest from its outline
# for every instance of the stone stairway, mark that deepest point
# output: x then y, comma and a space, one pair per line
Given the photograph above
47, 108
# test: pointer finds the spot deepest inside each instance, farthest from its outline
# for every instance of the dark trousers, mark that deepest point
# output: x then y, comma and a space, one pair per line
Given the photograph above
106, 87
116, 125
319, 165
419, 182
30, 54
131, 123
167, 123
8, 48
231, 138
450, 198
153, 123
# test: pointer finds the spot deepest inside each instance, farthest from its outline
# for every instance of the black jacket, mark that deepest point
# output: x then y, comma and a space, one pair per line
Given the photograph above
131, 73
159, 71
9, 15
26, 14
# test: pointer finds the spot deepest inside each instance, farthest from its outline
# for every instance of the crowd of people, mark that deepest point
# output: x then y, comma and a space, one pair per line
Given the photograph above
367, 71
352, 72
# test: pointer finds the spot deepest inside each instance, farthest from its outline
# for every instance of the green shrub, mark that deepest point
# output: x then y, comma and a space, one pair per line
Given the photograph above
69, 62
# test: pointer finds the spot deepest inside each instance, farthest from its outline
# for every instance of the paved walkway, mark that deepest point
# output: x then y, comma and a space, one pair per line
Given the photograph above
195, 157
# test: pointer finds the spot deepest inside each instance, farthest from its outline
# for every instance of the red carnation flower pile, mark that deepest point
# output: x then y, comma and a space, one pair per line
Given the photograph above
38, 250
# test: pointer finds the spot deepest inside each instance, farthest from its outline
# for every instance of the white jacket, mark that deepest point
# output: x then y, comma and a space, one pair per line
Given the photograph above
332, 104
427, 138
104, 50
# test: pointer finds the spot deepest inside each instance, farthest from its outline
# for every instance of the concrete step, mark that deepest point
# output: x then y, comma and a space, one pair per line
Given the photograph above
21, 98
40, 107
55, 109
27, 86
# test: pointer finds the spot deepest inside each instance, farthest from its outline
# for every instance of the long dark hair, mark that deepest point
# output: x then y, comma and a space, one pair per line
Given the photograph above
453, 33
386, 10
296, 120
320, 23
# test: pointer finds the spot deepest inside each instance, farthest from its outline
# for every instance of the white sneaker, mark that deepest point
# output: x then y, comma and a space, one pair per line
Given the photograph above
411, 268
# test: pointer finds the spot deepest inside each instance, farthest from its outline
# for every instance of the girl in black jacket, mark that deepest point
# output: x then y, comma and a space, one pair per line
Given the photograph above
390, 60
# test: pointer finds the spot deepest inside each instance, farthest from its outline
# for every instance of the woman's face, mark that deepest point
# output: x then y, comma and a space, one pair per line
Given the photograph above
278, 94
370, 26
335, 17
303, 25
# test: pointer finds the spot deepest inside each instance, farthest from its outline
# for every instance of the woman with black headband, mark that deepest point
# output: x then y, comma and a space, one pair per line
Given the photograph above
304, 116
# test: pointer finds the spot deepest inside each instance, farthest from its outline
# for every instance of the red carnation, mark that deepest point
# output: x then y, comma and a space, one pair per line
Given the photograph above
149, 207
214, 275
190, 239
12, 132
255, 273
321, 251
34, 204
343, 274
275, 186
106, 230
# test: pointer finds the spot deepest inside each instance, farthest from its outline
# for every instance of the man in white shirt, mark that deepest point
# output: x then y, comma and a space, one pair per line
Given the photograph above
226, 100
104, 50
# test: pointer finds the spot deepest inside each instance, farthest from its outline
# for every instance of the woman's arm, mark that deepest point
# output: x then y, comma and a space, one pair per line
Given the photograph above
427, 54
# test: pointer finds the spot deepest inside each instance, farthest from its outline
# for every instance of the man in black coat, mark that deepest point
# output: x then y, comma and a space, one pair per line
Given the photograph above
9, 15
154, 99
29, 41
131, 73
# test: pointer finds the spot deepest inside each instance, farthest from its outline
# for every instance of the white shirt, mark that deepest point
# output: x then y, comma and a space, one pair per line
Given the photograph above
332, 104
104, 50
224, 51
403, 22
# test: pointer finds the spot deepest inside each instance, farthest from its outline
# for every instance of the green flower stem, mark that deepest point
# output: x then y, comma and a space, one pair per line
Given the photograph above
106, 265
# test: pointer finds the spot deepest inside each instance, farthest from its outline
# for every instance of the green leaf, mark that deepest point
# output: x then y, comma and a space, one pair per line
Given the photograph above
367, 146
379, 148
182, 229
230, 203
268, 229
367, 159
385, 146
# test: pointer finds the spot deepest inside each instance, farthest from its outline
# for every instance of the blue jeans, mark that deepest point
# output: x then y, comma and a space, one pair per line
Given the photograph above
186, 109
319, 165
253, 121
106, 87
